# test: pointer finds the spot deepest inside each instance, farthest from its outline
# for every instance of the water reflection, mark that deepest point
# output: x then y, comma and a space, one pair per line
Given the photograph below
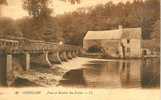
115, 74
151, 73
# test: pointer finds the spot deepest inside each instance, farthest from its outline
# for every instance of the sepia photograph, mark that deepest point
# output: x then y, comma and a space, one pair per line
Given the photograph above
96, 45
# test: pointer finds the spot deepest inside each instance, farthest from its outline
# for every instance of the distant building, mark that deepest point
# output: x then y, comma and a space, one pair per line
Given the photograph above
151, 48
119, 43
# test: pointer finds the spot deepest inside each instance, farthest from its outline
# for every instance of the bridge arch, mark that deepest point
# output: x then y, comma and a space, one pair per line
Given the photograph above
63, 56
55, 57
41, 58
74, 53
69, 54
94, 49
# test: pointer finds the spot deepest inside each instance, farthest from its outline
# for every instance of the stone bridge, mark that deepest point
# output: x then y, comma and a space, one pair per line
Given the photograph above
19, 54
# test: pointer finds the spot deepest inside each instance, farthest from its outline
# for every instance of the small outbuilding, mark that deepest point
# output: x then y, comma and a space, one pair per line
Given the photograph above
151, 48
119, 43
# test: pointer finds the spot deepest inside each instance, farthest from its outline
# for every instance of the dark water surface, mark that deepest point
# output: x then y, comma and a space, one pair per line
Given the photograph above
115, 74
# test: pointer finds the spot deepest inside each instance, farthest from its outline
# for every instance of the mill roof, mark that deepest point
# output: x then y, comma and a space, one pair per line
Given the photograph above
114, 34
132, 33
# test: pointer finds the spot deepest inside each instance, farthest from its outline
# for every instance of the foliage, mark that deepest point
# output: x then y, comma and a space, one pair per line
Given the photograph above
72, 1
37, 8
3, 2
156, 30
41, 25
155, 35
8, 28
72, 27
104, 17
48, 30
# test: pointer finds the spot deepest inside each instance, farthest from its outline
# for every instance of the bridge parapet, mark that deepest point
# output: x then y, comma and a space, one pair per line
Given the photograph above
26, 51
33, 46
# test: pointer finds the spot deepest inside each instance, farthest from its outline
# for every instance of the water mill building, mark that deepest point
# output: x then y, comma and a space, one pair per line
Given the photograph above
118, 43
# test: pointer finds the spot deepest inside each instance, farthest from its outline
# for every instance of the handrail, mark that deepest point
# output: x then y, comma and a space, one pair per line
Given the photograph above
29, 45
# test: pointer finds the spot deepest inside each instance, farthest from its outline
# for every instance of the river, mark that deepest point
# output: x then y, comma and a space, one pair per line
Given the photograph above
83, 72
115, 74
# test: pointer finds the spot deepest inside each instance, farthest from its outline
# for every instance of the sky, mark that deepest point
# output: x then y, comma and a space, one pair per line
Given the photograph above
15, 11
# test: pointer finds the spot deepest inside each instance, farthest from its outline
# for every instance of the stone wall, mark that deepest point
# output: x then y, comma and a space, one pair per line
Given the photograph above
133, 48
114, 49
110, 48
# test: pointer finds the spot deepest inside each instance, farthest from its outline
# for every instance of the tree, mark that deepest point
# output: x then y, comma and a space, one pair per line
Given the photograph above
41, 25
155, 35
8, 28
152, 14
156, 31
73, 1
38, 8
74, 25
139, 13
48, 31
2, 2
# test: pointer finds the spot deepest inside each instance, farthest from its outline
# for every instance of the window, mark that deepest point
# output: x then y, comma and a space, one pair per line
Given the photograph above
128, 41
117, 52
3, 43
144, 52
